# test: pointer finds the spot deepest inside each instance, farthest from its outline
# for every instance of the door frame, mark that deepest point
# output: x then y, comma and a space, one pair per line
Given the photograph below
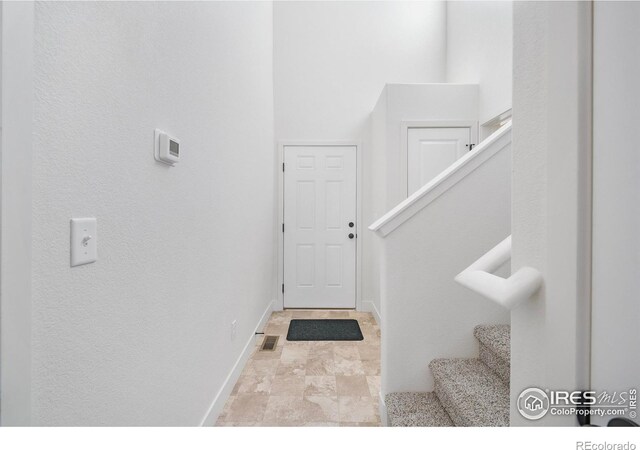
404, 142
279, 303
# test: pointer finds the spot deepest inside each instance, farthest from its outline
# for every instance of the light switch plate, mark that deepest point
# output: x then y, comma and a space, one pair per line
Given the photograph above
84, 241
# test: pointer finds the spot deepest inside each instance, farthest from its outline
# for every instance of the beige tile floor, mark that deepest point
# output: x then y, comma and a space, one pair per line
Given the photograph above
332, 383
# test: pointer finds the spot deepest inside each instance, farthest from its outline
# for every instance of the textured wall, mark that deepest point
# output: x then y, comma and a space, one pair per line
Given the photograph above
143, 335
479, 50
383, 186
332, 60
550, 197
15, 276
529, 209
616, 198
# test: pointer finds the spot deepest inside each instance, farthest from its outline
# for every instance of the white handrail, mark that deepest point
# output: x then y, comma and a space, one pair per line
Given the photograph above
509, 292
453, 174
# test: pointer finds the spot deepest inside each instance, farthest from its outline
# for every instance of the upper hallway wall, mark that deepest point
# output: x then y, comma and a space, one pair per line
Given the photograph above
332, 59
479, 50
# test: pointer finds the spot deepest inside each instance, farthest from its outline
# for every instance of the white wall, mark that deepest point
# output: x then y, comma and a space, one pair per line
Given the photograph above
331, 62
550, 197
425, 313
332, 59
143, 335
15, 265
423, 102
479, 50
384, 171
616, 199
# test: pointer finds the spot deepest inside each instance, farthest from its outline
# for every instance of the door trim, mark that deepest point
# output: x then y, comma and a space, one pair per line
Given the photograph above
404, 143
279, 304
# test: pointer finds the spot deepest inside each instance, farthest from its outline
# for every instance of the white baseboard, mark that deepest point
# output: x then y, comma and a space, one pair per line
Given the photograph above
223, 394
371, 307
384, 419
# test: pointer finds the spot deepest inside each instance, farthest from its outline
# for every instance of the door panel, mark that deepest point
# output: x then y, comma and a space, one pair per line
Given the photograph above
431, 150
306, 205
319, 203
305, 263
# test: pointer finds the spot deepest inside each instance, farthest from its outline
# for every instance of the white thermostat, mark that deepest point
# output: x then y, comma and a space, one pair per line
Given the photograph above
167, 148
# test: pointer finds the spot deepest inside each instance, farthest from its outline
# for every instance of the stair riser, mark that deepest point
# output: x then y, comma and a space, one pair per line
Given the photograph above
449, 406
501, 367
470, 392
496, 338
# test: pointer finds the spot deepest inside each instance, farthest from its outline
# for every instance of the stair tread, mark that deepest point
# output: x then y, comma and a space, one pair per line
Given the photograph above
471, 393
416, 409
497, 338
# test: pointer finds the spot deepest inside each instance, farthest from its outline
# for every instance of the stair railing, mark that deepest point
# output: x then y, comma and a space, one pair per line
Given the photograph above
456, 172
507, 292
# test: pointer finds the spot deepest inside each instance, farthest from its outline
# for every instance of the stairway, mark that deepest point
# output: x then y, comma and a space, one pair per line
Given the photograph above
469, 392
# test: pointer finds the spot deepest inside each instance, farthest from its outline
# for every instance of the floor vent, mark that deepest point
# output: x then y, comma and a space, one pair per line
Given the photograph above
269, 343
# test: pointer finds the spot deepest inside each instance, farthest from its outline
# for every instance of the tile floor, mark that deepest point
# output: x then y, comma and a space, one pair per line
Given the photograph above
309, 383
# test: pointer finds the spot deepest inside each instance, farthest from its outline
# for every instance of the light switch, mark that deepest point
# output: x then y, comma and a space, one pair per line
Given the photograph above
84, 241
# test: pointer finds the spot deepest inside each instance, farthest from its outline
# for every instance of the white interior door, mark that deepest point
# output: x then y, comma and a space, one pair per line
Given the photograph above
320, 227
431, 150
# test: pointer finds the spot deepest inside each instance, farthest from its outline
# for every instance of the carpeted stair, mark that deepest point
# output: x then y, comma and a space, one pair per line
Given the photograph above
468, 391
495, 348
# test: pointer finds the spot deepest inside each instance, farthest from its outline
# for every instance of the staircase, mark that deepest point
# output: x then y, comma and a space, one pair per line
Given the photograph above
468, 391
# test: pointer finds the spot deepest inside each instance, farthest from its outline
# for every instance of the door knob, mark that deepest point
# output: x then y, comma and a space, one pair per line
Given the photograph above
350, 224
351, 236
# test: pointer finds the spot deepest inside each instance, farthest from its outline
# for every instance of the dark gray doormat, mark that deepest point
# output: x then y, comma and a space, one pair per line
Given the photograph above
324, 330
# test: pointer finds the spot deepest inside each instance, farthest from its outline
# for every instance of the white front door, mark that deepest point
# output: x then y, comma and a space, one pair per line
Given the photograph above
319, 227
431, 150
